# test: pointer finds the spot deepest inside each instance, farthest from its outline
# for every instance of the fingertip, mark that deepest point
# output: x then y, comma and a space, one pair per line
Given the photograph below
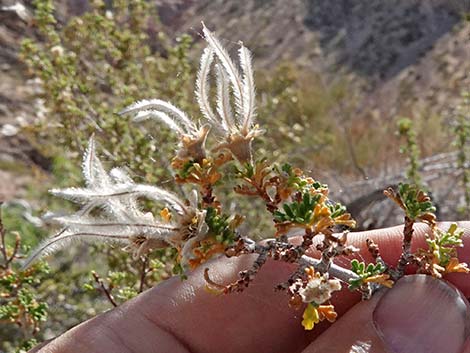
236, 322
419, 314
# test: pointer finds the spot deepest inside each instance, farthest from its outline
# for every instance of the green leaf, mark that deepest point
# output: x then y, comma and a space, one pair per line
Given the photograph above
287, 208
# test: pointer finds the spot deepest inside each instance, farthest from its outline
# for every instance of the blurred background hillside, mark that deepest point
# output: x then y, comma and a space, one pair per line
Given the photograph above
335, 81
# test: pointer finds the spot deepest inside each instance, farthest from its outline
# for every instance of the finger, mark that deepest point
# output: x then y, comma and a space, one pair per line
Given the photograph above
184, 314
466, 347
101, 334
418, 315
241, 322
257, 319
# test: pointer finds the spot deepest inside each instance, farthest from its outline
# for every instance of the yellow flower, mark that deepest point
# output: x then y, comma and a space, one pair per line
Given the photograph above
321, 210
310, 317
383, 279
165, 214
327, 312
201, 255
455, 266
345, 219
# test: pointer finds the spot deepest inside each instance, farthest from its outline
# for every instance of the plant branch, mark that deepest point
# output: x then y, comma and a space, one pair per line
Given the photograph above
143, 273
103, 288
406, 253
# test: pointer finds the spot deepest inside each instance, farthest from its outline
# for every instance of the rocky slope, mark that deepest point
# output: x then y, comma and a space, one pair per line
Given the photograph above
403, 54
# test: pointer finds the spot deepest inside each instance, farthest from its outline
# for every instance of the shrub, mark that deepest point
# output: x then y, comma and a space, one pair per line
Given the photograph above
198, 226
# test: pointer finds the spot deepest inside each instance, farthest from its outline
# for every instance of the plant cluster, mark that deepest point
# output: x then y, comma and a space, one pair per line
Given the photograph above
215, 151
20, 305
462, 142
411, 149
86, 63
83, 65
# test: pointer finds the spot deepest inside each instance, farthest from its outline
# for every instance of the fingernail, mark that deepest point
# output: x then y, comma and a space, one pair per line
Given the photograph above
421, 314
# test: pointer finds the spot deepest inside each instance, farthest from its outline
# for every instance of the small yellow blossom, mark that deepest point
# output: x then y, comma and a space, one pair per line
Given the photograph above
310, 272
310, 317
321, 210
327, 312
165, 214
346, 220
455, 266
323, 224
202, 255
383, 279
314, 314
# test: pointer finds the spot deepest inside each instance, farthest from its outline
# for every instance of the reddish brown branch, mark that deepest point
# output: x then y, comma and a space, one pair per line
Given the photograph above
143, 273
3, 248
406, 252
374, 250
8, 259
106, 291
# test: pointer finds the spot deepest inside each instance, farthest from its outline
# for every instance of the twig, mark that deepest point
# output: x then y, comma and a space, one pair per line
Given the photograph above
299, 273
103, 288
334, 271
278, 251
373, 248
207, 196
143, 273
2, 236
406, 254
3, 247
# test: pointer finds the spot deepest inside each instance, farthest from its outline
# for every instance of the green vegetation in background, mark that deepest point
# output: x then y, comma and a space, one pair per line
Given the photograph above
294, 106
23, 307
411, 150
90, 67
462, 142
94, 65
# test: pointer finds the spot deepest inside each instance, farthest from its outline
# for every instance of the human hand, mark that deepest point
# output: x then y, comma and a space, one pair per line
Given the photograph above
420, 314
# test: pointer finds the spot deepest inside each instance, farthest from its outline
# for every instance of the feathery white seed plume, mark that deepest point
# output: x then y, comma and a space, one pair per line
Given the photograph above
120, 219
120, 191
238, 133
93, 170
65, 238
180, 118
224, 108
235, 109
192, 137
243, 87
248, 88
163, 117
202, 84
229, 66
120, 175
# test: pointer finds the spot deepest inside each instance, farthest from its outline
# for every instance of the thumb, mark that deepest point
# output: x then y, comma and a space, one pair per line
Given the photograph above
419, 314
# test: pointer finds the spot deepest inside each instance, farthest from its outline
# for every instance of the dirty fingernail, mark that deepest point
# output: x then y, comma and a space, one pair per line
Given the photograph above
421, 314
